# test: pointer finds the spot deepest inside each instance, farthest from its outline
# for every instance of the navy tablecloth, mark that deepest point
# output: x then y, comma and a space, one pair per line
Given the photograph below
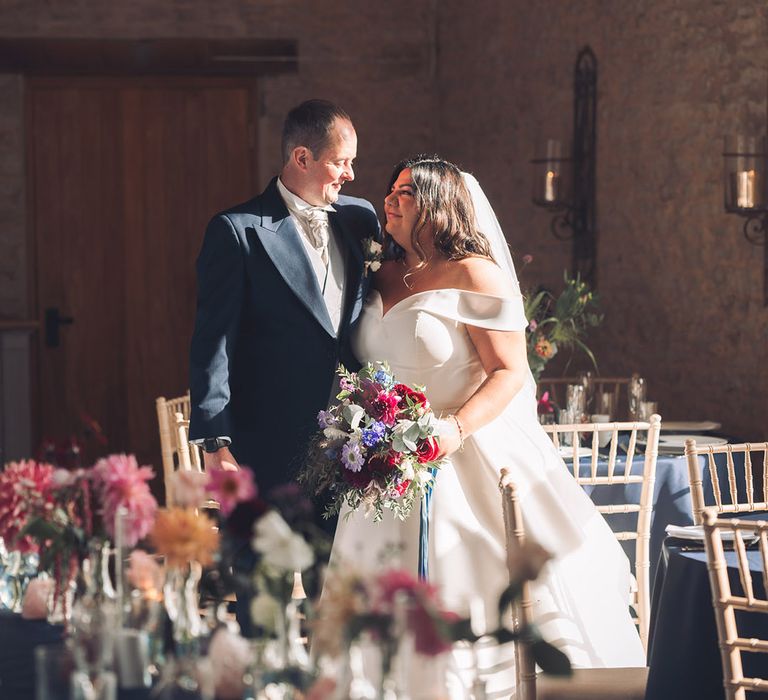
683, 652
671, 496
18, 639
671, 500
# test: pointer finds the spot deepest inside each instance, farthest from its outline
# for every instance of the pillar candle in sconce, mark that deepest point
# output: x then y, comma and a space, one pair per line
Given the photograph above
744, 184
745, 190
551, 184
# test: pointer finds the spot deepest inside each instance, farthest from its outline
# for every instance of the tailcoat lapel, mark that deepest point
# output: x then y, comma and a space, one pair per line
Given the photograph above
282, 242
354, 269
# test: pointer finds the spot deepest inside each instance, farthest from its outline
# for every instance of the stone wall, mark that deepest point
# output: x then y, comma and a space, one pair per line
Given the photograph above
681, 288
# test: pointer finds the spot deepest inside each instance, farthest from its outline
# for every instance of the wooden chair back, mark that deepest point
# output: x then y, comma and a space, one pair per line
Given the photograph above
166, 422
525, 668
620, 472
727, 497
727, 601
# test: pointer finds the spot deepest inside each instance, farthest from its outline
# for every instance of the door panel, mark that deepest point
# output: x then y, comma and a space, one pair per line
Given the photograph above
124, 177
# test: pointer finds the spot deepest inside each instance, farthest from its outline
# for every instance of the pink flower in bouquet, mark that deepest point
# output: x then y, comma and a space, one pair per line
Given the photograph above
231, 487
121, 482
385, 406
26, 491
189, 487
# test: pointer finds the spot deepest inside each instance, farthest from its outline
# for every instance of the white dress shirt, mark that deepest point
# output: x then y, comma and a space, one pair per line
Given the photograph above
330, 278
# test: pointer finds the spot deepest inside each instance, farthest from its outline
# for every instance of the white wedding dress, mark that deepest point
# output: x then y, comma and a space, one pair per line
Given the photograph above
581, 598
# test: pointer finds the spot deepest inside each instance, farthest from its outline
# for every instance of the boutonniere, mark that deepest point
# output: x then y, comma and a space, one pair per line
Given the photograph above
373, 254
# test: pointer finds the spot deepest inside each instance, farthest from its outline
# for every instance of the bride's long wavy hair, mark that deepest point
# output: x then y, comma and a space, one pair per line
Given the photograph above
445, 208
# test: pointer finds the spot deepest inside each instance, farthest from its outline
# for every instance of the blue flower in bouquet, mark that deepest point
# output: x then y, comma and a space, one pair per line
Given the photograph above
326, 419
384, 378
373, 435
351, 457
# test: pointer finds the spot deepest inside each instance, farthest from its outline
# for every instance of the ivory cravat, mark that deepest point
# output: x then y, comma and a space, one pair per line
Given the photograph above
318, 228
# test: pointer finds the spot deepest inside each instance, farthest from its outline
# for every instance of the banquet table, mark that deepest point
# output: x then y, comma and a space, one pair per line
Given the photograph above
18, 639
671, 500
671, 496
683, 652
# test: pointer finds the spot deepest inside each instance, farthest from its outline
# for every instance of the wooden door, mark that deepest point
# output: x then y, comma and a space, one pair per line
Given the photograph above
123, 177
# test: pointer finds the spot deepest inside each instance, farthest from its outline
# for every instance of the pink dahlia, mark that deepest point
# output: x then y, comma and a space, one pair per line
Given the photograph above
120, 481
384, 407
231, 487
26, 492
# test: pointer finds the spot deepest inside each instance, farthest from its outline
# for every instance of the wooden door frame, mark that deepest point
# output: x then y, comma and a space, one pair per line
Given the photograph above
42, 82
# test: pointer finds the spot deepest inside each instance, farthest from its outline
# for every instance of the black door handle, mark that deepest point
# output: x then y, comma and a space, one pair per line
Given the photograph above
53, 319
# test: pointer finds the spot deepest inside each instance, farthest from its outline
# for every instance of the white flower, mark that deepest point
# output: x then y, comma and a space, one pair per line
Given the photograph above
425, 477
375, 248
280, 546
406, 467
374, 266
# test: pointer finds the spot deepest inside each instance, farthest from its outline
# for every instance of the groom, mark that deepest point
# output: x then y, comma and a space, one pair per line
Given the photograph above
280, 283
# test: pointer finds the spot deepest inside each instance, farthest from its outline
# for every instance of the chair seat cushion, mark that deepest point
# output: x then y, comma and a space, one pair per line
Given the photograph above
594, 684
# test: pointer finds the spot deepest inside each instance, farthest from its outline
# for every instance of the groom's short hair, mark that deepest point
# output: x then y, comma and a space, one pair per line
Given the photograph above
309, 124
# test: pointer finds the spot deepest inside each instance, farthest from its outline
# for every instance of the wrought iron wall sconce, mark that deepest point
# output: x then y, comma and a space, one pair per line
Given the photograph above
746, 194
566, 185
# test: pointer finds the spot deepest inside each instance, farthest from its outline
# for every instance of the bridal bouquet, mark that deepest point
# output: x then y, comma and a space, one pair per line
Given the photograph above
377, 447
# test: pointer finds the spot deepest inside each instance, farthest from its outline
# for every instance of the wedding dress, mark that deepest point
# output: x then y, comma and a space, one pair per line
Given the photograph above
581, 598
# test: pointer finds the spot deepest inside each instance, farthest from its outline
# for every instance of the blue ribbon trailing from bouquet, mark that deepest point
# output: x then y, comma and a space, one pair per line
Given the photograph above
424, 530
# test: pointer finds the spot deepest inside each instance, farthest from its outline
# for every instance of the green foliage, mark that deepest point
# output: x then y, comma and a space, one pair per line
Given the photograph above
560, 322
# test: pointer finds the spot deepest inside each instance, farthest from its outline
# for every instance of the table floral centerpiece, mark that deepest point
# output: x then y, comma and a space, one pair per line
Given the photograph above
69, 516
561, 322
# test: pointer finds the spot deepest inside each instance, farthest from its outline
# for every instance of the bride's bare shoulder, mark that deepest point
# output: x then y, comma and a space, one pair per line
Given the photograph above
480, 274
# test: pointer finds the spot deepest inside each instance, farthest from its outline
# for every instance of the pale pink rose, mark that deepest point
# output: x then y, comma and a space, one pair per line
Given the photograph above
35, 603
229, 655
189, 488
143, 572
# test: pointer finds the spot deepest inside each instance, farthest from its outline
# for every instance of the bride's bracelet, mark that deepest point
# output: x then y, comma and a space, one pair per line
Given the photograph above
460, 429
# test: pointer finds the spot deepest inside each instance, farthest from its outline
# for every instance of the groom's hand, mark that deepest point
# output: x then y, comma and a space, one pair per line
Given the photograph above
221, 459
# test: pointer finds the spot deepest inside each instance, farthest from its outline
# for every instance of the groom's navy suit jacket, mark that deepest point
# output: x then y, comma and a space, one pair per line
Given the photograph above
264, 352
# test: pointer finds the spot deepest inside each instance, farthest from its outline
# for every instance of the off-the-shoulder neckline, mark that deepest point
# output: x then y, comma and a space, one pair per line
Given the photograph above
386, 313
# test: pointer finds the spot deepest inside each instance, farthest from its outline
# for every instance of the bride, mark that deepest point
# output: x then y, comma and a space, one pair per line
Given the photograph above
447, 313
